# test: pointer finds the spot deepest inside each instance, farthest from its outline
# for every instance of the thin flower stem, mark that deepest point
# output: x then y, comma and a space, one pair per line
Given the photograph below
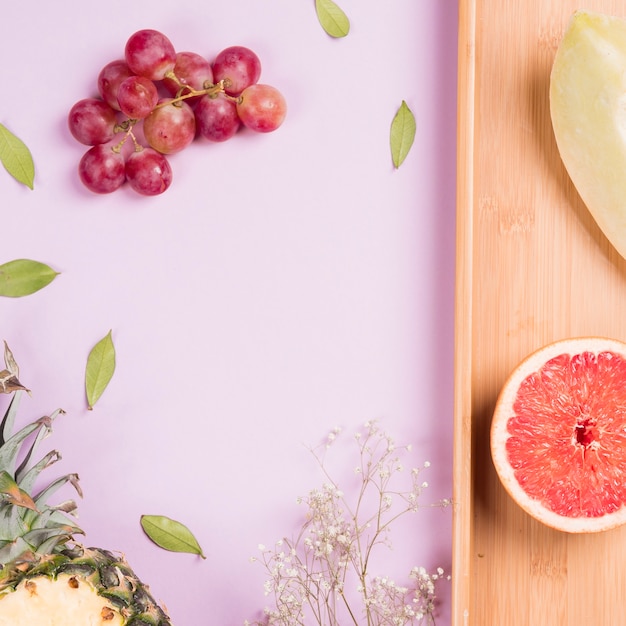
334, 549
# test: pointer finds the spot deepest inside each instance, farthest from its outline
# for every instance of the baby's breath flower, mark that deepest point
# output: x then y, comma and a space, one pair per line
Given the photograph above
331, 553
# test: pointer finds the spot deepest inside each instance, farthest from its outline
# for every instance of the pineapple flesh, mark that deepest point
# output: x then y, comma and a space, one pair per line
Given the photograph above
38, 602
48, 578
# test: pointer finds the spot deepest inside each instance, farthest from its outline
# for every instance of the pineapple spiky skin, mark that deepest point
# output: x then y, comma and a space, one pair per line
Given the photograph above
80, 586
46, 577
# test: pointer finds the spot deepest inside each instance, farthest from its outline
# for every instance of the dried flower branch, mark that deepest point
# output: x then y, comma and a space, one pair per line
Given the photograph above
323, 574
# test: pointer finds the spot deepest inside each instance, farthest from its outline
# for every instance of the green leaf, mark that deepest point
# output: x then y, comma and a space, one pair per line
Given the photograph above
16, 157
170, 534
100, 368
402, 134
333, 20
22, 277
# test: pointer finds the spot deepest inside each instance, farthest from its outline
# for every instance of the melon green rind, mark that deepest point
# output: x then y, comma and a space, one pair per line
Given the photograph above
588, 112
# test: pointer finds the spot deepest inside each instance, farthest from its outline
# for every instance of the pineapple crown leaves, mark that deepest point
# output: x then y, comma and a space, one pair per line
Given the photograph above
9, 381
10, 492
27, 522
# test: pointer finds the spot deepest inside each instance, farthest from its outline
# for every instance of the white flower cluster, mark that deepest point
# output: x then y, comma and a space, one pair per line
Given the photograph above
322, 575
399, 605
330, 535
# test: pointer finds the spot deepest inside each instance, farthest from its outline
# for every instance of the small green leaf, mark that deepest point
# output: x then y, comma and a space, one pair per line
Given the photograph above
16, 157
333, 20
402, 134
22, 277
170, 534
100, 368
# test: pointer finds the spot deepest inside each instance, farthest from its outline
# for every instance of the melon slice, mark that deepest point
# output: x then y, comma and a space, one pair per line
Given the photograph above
588, 111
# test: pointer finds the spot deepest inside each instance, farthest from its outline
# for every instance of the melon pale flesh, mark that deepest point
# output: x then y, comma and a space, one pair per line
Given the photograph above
588, 111
558, 435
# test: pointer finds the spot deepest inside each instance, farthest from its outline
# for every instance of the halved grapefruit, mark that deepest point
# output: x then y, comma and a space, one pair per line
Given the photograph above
588, 112
558, 435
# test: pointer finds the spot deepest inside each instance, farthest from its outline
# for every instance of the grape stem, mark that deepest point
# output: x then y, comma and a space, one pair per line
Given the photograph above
185, 91
210, 89
127, 127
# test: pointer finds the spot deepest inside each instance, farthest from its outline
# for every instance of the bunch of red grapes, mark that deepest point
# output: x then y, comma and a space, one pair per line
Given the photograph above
156, 101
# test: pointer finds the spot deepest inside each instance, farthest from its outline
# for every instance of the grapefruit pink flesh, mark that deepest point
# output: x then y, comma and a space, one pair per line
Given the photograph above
558, 435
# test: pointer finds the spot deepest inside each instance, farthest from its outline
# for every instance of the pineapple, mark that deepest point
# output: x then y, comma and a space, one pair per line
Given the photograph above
47, 578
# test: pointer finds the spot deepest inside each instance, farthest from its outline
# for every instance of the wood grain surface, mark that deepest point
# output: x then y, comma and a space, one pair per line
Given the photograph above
532, 267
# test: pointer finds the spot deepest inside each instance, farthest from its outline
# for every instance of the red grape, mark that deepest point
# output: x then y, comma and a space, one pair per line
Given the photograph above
237, 65
155, 101
148, 172
101, 169
262, 108
137, 96
109, 79
216, 117
150, 53
170, 127
92, 121
191, 70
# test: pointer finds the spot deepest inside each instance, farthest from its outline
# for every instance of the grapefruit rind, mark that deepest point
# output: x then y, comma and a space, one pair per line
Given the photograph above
588, 112
499, 435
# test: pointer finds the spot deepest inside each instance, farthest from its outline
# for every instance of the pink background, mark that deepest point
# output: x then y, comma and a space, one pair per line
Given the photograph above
285, 284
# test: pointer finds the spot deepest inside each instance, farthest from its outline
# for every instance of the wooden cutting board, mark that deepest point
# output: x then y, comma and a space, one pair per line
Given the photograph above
532, 267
